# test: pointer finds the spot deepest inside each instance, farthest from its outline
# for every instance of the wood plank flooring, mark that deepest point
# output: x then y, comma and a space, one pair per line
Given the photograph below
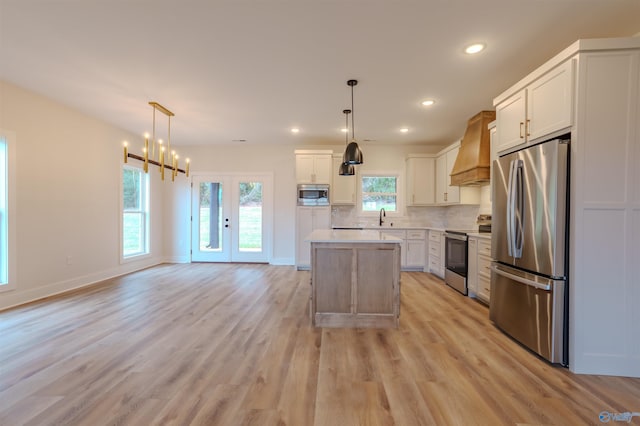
230, 344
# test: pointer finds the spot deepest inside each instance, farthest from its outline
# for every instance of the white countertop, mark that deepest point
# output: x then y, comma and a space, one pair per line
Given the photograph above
485, 235
387, 227
350, 236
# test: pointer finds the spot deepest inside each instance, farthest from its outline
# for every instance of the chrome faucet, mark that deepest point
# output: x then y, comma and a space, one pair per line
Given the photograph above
383, 213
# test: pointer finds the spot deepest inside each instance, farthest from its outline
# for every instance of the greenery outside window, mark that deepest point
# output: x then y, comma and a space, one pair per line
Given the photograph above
135, 212
379, 191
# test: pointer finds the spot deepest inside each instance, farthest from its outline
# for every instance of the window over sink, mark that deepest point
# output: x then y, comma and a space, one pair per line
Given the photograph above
379, 190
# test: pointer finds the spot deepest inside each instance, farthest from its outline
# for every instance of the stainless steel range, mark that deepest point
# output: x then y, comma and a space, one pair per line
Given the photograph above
455, 259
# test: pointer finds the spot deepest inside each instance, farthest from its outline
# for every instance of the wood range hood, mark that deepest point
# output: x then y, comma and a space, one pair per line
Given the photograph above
474, 157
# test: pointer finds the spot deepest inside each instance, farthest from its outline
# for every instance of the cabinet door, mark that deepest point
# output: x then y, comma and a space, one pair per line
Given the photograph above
510, 116
403, 245
472, 266
313, 168
415, 253
441, 179
421, 173
304, 228
321, 218
453, 192
549, 101
308, 220
333, 286
343, 188
375, 281
322, 168
304, 168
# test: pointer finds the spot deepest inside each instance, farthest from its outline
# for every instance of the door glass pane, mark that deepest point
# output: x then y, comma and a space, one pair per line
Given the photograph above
250, 217
210, 216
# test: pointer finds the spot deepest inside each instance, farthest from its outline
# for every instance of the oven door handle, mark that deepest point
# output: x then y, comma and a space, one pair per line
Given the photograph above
456, 237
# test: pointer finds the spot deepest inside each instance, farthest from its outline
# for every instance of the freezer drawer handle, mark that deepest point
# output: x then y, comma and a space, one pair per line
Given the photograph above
519, 279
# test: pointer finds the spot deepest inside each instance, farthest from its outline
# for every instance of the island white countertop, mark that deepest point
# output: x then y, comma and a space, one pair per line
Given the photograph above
351, 236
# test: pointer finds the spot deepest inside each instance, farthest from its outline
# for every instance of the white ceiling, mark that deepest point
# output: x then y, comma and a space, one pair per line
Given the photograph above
253, 69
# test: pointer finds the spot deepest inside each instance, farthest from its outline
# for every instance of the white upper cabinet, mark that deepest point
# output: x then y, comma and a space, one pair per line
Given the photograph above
447, 194
421, 174
541, 108
313, 167
343, 188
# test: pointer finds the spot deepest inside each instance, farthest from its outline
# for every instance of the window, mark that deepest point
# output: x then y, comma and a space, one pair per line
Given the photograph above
4, 243
135, 212
379, 191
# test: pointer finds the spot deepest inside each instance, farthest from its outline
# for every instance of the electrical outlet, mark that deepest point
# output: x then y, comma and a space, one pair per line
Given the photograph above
69, 260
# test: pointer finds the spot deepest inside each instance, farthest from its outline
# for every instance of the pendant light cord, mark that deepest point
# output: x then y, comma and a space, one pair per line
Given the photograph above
353, 124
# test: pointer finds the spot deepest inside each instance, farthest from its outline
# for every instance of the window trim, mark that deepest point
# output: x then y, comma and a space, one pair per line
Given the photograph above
399, 191
146, 188
9, 141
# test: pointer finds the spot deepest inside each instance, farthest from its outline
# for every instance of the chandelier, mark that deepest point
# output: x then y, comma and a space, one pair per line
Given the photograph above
149, 152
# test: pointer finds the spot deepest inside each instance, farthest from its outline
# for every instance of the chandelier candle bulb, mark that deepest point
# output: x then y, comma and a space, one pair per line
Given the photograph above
126, 154
146, 154
162, 162
146, 157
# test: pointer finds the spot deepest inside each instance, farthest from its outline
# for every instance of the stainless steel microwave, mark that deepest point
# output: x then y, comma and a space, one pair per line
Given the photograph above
313, 195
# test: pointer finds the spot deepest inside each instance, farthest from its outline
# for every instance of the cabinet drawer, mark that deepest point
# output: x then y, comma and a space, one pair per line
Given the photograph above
434, 250
484, 286
484, 266
416, 234
395, 233
435, 236
484, 247
434, 263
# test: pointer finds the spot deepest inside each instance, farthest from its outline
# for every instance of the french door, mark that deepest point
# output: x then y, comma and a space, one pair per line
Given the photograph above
231, 218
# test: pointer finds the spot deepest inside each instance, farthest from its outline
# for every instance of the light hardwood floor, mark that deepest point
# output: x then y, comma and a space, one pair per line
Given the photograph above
224, 344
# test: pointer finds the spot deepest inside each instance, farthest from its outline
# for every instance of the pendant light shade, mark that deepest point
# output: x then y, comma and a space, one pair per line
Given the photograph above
352, 155
346, 169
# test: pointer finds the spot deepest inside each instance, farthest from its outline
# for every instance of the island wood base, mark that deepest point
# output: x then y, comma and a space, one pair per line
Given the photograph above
355, 284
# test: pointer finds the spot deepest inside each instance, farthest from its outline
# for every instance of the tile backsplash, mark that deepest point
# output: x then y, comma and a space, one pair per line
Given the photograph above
461, 217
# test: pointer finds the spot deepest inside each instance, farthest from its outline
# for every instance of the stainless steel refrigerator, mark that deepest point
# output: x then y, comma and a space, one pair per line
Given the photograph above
529, 286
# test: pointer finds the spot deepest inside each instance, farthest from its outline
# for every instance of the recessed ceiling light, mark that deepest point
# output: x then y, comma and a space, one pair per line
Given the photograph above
474, 48
295, 130
344, 130
428, 102
404, 130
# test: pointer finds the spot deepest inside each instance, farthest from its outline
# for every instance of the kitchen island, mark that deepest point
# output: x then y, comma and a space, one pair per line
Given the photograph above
355, 278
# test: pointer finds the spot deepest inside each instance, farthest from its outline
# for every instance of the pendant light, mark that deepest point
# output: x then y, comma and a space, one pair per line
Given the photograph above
346, 169
352, 155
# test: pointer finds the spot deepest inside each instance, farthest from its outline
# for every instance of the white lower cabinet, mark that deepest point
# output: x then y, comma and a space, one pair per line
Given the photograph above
479, 268
308, 220
436, 253
472, 266
399, 233
415, 248
412, 247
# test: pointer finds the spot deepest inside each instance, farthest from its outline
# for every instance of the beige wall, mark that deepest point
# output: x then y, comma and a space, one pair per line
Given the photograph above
68, 169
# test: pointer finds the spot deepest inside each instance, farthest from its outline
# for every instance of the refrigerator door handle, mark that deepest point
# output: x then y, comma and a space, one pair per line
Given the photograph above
510, 210
519, 211
538, 282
